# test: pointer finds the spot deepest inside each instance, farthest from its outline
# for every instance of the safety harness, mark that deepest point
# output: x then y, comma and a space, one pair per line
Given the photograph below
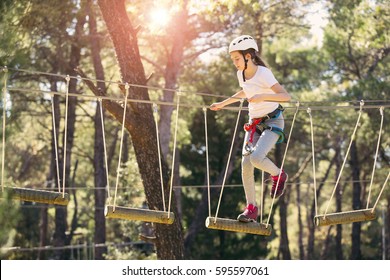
258, 125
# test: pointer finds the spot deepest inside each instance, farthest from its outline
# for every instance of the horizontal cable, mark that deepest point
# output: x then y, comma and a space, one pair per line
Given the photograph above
94, 97
215, 186
199, 93
117, 83
69, 247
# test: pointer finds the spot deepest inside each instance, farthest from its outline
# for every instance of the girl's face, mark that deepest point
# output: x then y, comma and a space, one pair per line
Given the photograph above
238, 60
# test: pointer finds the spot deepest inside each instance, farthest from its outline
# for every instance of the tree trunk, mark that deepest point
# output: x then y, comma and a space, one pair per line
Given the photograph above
310, 216
386, 230
52, 176
325, 248
300, 224
356, 202
100, 177
171, 74
283, 202
339, 195
60, 238
140, 123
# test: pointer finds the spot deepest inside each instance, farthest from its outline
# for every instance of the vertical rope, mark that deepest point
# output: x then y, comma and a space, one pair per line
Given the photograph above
228, 161
376, 156
105, 150
346, 156
314, 162
380, 193
207, 160
159, 153
284, 158
121, 144
174, 153
67, 78
55, 144
5, 70
261, 196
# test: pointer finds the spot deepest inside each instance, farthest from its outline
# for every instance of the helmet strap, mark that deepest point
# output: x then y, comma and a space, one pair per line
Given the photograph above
246, 66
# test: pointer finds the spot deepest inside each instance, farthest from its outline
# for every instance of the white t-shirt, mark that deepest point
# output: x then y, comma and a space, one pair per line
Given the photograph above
261, 83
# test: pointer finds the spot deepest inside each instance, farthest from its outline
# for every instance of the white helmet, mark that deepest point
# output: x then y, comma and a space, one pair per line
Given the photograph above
243, 43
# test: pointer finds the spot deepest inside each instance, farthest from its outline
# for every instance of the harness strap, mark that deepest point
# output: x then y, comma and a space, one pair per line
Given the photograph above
258, 125
282, 137
252, 126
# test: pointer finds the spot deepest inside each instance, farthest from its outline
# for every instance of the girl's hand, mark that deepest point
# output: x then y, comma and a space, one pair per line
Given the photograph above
256, 98
216, 106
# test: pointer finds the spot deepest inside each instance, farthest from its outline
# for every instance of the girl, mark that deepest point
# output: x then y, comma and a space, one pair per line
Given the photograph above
266, 124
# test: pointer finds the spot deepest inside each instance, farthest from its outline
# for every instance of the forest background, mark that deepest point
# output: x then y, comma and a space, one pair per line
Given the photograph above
163, 48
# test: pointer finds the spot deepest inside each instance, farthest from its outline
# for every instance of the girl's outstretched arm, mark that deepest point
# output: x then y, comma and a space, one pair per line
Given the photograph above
235, 98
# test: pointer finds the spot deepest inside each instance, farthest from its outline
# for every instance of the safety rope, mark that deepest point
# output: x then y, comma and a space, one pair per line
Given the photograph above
207, 159
314, 162
380, 193
155, 113
5, 70
228, 161
67, 78
346, 157
282, 165
376, 155
105, 150
174, 154
55, 144
120, 146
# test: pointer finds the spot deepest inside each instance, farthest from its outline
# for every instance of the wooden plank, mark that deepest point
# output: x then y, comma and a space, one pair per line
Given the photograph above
39, 196
345, 217
136, 214
236, 226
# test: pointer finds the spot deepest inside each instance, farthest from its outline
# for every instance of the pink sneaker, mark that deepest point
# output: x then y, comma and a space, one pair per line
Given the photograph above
249, 214
281, 187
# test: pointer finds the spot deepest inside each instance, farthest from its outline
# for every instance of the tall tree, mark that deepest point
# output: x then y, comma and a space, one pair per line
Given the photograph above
139, 122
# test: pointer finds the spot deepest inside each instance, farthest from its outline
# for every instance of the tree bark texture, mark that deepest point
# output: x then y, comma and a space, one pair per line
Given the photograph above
140, 124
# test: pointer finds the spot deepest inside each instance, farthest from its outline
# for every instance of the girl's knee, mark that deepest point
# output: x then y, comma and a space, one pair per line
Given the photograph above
257, 159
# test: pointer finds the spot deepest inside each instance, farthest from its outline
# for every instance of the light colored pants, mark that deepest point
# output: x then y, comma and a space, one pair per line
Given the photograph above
258, 158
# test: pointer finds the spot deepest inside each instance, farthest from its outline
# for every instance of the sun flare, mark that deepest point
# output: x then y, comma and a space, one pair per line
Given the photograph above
159, 18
